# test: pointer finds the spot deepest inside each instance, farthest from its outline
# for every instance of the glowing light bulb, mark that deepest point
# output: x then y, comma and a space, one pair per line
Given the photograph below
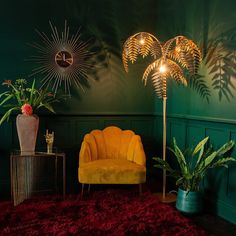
178, 49
162, 68
142, 41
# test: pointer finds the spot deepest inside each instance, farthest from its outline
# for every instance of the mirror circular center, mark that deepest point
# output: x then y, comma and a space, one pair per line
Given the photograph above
64, 59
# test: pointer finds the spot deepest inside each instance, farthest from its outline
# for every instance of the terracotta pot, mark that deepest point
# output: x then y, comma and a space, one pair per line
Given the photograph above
27, 129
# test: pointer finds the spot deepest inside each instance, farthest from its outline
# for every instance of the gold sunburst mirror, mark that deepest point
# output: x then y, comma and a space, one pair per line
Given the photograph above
61, 59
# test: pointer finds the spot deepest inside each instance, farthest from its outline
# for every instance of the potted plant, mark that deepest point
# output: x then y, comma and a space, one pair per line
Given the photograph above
26, 100
192, 170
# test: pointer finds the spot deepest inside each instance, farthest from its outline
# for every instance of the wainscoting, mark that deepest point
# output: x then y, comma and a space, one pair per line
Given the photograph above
220, 183
69, 132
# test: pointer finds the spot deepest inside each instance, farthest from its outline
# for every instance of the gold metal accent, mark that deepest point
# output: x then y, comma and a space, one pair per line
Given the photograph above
168, 198
61, 59
49, 140
170, 59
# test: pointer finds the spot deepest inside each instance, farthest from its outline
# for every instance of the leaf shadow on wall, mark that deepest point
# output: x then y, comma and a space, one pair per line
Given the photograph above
211, 25
220, 60
111, 23
218, 45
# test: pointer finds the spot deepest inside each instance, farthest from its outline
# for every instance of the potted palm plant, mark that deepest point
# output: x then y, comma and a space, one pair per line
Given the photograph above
192, 170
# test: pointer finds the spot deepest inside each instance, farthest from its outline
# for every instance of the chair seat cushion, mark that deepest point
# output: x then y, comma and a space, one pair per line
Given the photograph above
112, 171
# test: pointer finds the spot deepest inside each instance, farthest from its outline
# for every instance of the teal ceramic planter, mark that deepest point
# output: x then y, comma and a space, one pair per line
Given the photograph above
189, 202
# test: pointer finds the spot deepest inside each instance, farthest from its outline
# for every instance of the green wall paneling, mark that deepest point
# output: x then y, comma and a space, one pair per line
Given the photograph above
6, 134
216, 180
84, 126
122, 123
64, 132
177, 130
221, 208
69, 132
158, 126
143, 126
195, 133
232, 175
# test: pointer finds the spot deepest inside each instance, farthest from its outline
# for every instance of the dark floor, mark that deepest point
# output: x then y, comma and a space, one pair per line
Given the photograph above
215, 225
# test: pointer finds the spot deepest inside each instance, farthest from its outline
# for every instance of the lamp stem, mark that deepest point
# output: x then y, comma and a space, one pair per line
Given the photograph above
164, 147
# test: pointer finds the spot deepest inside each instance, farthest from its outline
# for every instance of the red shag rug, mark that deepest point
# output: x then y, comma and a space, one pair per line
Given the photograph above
107, 212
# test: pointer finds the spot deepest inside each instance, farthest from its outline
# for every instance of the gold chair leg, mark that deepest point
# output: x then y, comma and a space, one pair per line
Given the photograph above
140, 189
82, 191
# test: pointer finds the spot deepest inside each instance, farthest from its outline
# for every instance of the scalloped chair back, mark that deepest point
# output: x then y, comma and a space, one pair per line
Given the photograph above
112, 156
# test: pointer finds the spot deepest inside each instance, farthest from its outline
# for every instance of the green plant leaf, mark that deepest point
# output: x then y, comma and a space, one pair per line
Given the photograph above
223, 162
7, 99
210, 158
180, 158
164, 165
32, 92
7, 114
225, 148
200, 146
47, 106
180, 181
18, 94
4, 93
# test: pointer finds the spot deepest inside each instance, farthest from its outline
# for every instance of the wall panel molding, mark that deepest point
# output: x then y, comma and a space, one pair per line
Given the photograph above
69, 132
199, 118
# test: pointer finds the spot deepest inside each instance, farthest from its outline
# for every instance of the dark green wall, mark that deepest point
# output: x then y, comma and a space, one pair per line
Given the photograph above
104, 23
207, 106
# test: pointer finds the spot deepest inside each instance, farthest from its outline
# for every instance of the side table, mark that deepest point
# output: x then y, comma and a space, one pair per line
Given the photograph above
23, 169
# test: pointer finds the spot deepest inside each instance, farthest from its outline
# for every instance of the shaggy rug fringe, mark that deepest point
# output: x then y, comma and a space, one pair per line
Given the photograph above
108, 212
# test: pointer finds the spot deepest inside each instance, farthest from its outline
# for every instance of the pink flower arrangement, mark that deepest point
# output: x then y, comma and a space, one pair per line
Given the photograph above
25, 99
27, 109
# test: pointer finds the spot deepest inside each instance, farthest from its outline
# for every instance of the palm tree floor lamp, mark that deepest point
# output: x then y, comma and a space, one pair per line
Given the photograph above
171, 59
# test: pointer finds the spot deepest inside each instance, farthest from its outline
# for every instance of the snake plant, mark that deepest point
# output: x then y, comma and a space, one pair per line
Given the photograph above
192, 170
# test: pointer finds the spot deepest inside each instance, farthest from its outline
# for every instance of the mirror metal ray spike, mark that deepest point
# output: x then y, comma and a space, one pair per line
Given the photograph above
61, 59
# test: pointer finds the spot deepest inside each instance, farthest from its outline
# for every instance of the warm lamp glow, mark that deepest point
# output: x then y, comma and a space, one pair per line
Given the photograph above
142, 41
177, 49
162, 69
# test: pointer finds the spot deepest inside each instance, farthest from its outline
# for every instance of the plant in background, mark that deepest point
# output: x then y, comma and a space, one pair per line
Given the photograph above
27, 100
190, 173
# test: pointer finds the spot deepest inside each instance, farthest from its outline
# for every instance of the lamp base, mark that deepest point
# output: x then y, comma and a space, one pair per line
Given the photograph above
169, 197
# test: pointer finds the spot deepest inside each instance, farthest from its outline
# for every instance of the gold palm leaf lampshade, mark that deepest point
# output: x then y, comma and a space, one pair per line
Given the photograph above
170, 61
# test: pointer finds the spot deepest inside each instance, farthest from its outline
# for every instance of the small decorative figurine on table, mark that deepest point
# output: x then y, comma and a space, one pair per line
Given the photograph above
49, 140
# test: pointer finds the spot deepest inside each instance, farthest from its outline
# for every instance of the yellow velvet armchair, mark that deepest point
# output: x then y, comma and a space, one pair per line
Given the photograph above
112, 156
